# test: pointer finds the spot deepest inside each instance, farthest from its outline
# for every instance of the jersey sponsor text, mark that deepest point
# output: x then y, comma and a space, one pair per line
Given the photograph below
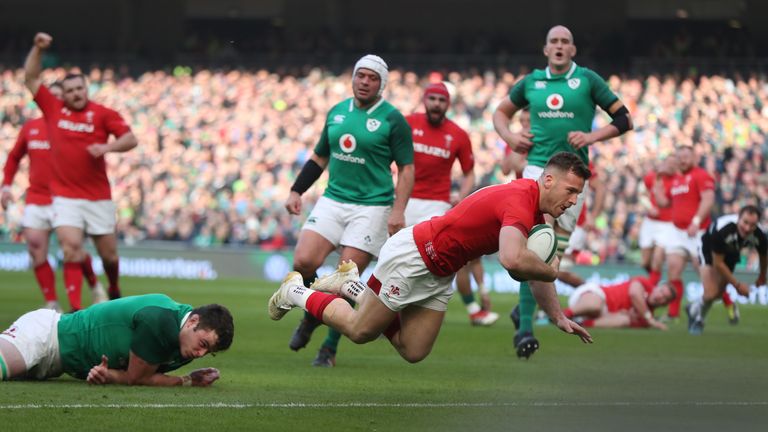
431, 150
75, 127
348, 158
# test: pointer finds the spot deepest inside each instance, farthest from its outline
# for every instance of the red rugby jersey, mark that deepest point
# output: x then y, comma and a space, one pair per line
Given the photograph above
75, 173
32, 141
434, 151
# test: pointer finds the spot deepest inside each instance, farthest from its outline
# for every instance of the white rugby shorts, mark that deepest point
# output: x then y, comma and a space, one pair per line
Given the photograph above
680, 243
655, 233
420, 210
405, 279
93, 217
360, 226
588, 287
38, 217
36, 336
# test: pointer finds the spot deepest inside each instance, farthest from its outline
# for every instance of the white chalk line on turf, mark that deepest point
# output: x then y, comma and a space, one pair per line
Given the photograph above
290, 405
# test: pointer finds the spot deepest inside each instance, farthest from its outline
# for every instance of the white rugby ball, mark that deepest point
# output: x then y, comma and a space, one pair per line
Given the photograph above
542, 242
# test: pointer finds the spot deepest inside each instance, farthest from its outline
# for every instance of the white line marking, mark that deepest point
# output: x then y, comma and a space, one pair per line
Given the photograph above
238, 405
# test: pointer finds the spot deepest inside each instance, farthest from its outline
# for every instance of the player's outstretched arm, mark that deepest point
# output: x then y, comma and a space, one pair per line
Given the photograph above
140, 372
640, 306
546, 297
33, 65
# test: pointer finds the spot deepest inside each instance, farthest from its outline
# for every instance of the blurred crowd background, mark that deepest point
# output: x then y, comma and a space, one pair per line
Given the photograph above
228, 99
219, 149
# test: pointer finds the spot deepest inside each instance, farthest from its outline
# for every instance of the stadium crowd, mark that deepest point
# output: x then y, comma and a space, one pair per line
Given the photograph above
218, 150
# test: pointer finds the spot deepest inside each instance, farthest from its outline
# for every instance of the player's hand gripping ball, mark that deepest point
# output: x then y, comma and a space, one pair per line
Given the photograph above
543, 242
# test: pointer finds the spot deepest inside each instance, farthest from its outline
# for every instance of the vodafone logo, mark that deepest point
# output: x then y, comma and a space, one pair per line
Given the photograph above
348, 143
554, 101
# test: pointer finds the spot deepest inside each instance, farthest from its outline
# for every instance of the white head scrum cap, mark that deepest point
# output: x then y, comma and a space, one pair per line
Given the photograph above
376, 64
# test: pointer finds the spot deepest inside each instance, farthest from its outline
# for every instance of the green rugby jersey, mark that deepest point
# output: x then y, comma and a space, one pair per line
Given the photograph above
148, 325
560, 104
360, 146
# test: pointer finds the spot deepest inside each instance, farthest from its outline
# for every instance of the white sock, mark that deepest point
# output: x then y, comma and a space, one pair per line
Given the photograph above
473, 308
299, 294
695, 309
353, 289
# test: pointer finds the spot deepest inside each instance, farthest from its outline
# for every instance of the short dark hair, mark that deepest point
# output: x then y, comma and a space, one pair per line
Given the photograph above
72, 75
56, 84
566, 161
217, 318
752, 209
670, 288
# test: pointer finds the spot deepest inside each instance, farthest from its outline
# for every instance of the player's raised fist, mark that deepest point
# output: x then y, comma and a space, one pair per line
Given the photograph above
43, 40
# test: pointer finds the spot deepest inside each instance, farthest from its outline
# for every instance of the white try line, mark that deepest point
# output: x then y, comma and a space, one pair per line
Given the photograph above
237, 405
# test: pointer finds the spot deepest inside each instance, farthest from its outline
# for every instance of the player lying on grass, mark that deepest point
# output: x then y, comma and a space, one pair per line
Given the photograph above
411, 284
626, 304
131, 341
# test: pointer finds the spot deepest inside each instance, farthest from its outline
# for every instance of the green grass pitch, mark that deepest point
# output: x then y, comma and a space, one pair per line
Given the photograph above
627, 380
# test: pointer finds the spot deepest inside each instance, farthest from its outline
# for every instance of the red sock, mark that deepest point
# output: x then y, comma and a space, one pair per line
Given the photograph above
727, 299
674, 307
90, 276
46, 280
654, 276
317, 302
588, 323
73, 281
113, 272
568, 313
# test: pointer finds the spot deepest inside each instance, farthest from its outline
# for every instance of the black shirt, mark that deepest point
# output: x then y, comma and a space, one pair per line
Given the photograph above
722, 237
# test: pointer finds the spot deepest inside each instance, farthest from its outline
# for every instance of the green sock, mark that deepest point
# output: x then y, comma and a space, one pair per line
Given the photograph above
332, 340
468, 299
527, 308
4, 373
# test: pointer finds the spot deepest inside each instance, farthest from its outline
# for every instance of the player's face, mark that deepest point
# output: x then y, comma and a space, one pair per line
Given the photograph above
562, 190
75, 93
747, 224
559, 48
662, 294
365, 86
195, 342
435, 105
685, 159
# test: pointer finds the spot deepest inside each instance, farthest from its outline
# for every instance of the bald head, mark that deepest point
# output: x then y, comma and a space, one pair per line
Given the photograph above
559, 49
559, 31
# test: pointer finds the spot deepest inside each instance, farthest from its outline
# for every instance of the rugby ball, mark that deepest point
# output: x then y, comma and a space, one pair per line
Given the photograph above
542, 242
